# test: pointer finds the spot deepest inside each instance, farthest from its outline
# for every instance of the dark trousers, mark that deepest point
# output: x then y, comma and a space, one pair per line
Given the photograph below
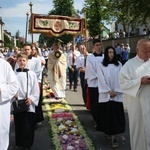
83, 85
46, 61
73, 77
24, 129
118, 57
93, 92
124, 61
38, 109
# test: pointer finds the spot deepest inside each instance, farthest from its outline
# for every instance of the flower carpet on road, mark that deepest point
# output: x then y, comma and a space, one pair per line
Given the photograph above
67, 131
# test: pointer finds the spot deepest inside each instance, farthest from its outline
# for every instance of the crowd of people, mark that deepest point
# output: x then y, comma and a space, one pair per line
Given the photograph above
104, 77
123, 52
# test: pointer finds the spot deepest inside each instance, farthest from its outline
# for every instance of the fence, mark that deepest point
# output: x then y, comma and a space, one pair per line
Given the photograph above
132, 41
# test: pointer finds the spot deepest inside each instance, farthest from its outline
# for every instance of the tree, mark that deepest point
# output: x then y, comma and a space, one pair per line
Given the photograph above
19, 43
62, 8
8, 43
97, 11
59, 8
131, 14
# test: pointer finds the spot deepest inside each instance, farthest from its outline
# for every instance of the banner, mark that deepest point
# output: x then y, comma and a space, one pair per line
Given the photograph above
55, 25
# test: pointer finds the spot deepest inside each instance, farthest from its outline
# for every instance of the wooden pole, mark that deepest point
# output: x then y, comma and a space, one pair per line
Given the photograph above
30, 4
85, 30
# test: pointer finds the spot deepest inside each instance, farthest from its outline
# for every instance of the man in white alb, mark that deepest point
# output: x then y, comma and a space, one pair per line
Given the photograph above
135, 83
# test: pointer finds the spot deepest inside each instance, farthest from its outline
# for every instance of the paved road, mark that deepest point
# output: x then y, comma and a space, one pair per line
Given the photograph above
42, 134
98, 138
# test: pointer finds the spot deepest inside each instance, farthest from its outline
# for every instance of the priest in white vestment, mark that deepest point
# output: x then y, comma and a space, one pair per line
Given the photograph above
135, 83
57, 72
8, 88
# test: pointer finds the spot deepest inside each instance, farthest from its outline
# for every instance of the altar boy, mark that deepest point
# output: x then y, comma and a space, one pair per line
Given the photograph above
92, 77
29, 89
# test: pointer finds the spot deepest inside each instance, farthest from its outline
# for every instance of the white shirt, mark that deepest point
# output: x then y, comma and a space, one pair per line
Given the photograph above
45, 53
41, 58
69, 57
81, 61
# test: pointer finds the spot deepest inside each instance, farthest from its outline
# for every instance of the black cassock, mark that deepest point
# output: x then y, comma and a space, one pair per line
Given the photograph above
24, 129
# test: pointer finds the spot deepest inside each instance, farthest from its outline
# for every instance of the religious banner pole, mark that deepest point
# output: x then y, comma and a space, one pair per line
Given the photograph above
30, 4
85, 30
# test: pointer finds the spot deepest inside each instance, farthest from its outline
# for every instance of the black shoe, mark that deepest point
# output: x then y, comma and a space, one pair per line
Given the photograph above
70, 87
114, 143
75, 90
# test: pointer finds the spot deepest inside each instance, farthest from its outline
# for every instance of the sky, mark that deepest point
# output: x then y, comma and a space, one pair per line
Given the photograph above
13, 13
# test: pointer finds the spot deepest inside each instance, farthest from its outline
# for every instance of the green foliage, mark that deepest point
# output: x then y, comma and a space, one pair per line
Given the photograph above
8, 43
17, 34
96, 12
131, 13
62, 8
49, 41
19, 43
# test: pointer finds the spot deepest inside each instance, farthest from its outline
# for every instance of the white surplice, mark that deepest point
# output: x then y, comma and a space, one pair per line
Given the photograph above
138, 101
108, 80
33, 88
8, 88
41, 58
91, 70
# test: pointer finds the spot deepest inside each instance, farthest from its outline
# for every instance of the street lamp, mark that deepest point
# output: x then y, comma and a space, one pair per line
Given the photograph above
30, 4
27, 14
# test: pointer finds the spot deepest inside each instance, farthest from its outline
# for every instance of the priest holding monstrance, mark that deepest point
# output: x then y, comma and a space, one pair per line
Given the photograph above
57, 71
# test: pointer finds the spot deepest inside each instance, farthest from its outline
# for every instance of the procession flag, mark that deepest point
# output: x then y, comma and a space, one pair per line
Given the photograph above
55, 25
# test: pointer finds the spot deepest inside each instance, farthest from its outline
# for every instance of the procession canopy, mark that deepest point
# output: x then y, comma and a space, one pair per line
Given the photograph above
55, 25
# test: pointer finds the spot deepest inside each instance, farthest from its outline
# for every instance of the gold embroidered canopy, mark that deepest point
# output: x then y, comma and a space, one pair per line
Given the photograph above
55, 25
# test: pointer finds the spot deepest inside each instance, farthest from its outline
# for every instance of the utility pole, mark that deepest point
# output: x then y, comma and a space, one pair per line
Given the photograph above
27, 14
